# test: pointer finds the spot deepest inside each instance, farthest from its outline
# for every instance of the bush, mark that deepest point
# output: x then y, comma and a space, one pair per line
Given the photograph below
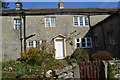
102, 55
42, 55
111, 69
35, 61
8, 63
80, 55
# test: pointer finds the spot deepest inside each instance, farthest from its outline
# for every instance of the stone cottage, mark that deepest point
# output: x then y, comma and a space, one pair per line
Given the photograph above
64, 28
106, 35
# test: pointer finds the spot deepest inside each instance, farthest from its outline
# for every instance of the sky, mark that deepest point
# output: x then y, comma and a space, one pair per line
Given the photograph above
67, 4
64, 0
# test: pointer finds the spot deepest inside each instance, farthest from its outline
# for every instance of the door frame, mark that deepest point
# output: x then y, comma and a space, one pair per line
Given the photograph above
60, 37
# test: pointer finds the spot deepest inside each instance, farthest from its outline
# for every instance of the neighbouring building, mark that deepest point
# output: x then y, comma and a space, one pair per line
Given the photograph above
64, 28
106, 35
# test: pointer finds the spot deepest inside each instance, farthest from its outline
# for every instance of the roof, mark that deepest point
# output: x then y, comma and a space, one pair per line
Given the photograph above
107, 18
47, 11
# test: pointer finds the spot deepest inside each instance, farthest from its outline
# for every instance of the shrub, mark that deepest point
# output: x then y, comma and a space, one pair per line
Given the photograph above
8, 63
111, 69
102, 55
80, 55
70, 60
41, 55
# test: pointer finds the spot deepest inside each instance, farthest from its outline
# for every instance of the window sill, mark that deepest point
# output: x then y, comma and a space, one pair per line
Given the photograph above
86, 47
81, 26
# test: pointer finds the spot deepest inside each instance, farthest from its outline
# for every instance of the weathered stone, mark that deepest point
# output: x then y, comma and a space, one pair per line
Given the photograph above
67, 76
62, 76
76, 71
58, 72
70, 73
67, 68
74, 65
48, 74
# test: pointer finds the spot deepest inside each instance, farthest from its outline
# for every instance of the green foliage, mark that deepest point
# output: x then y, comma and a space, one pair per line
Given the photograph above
36, 55
111, 69
36, 61
102, 55
70, 60
8, 63
80, 55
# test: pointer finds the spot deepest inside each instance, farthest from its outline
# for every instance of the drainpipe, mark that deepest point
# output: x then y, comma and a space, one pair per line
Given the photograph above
21, 32
89, 25
24, 27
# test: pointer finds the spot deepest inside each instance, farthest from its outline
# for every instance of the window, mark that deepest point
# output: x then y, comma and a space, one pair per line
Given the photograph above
50, 22
83, 42
30, 43
95, 39
111, 38
35, 43
17, 23
81, 21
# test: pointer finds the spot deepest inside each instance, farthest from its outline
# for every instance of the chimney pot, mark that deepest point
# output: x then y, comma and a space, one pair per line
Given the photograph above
61, 5
18, 5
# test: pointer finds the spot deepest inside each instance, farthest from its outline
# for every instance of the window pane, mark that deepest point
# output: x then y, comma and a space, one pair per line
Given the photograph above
43, 41
86, 21
88, 39
88, 44
37, 43
83, 39
18, 21
78, 45
76, 21
83, 45
111, 38
81, 21
17, 24
78, 40
30, 43
53, 21
47, 22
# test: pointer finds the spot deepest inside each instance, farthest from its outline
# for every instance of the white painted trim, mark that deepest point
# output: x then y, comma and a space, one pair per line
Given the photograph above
64, 46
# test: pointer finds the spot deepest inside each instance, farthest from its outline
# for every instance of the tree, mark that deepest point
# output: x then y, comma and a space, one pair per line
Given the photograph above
4, 5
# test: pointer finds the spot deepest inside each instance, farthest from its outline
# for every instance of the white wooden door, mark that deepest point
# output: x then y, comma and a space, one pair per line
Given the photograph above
59, 47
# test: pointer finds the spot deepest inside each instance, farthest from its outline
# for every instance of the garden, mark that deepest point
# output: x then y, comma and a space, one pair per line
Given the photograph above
37, 61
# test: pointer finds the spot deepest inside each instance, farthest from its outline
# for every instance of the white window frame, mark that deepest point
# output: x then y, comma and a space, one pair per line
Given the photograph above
86, 42
17, 23
34, 42
50, 22
83, 21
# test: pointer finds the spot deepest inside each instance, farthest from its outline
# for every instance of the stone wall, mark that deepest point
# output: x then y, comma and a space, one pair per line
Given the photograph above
71, 71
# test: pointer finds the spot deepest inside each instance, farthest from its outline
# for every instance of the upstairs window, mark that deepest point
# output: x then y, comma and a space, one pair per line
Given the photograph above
83, 42
111, 39
80, 21
35, 43
17, 23
50, 22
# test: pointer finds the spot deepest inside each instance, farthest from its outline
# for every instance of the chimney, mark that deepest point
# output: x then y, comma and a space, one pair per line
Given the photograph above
18, 5
60, 5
